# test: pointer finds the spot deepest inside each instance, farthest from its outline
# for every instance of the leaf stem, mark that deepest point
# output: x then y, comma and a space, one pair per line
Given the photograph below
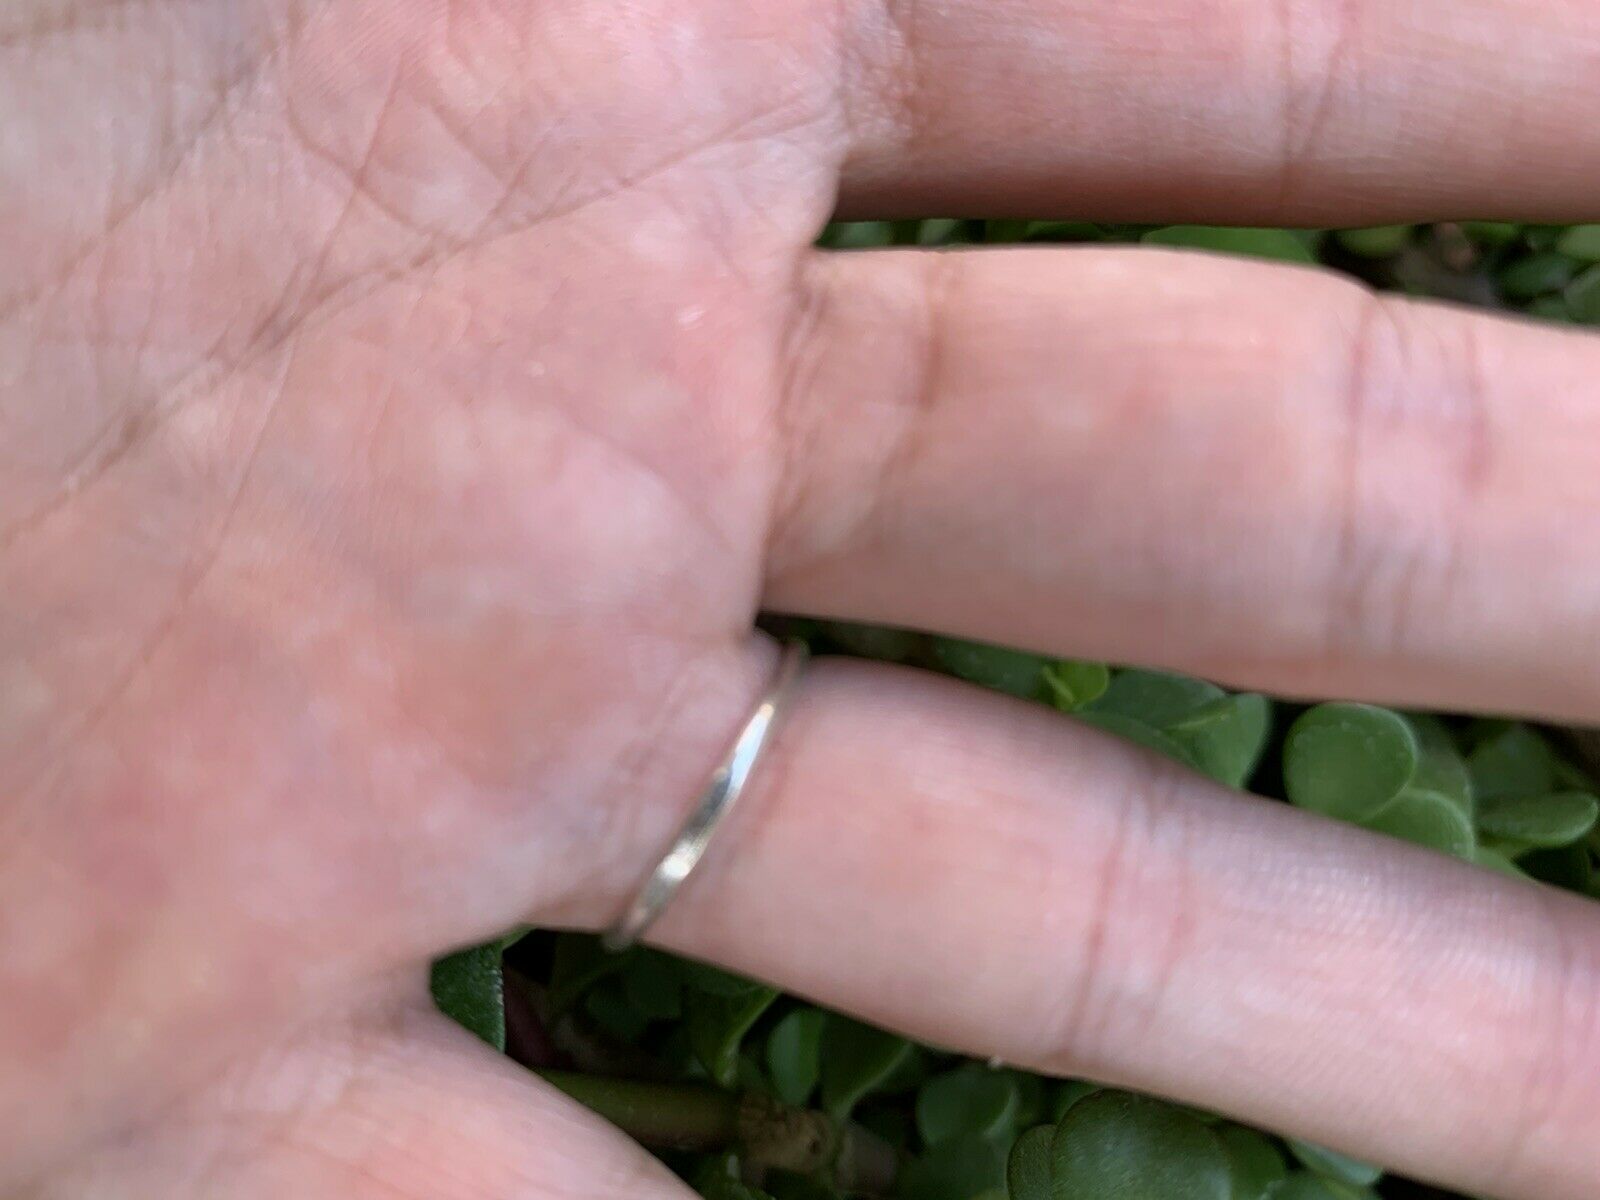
662, 1116
768, 1134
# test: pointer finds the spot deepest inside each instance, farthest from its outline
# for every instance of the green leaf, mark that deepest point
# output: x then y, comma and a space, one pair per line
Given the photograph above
1068, 1094
1542, 237
888, 1117
1444, 772
1512, 763
1492, 233
1429, 819
1005, 232
1558, 819
653, 985
717, 1025
959, 1169
787, 1185
1028, 1170
717, 1178
1580, 242
1545, 271
1074, 684
1114, 1146
1332, 1165
856, 1059
1582, 297
703, 977
912, 1071
608, 1006
794, 1055
1155, 698
1493, 860
469, 988
1433, 733
1440, 767
854, 235
1226, 738
1033, 1100
1572, 778
1012, 671
1257, 1165
1306, 1185
1064, 231
1278, 244
1136, 731
1567, 867
512, 936
971, 1100
1348, 760
1549, 308
1381, 241
580, 961
874, 641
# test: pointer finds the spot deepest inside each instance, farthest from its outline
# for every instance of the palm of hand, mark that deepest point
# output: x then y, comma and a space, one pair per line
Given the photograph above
452, 339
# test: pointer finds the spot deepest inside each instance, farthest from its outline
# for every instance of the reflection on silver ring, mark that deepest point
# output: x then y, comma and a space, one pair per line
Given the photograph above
721, 794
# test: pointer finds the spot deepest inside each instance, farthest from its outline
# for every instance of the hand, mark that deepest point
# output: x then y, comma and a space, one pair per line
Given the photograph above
408, 406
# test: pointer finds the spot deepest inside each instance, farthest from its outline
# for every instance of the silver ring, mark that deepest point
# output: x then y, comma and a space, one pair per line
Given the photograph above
721, 794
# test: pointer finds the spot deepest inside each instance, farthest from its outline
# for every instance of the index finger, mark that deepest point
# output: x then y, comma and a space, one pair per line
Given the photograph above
1238, 111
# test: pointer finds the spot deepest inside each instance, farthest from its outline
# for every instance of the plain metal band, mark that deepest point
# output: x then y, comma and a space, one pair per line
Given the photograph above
721, 794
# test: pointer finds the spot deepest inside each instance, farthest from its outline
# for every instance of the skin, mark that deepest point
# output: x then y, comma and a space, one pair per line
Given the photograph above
408, 407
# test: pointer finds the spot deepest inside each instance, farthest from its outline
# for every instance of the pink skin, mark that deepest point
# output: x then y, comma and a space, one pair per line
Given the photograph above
405, 409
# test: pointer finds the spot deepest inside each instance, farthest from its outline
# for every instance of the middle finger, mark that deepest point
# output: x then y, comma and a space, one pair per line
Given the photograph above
1246, 472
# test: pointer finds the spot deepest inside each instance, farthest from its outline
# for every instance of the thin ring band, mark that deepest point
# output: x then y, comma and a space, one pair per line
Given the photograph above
721, 794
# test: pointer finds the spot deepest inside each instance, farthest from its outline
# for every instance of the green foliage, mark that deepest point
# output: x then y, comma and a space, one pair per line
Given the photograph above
1335, 1166
1138, 732
1581, 242
1255, 1161
794, 1055
1493, 234
872, 641
1428, 819
1030, 1171
1556, 819
1156, 698
1187, 720
1512, 763
1547, 271
1226, 737
1497, 793
469, 989
1348, 760
1281, 244
653, 985
608, 1006
1383, 241
717, 1025
578, 964
1582, 297
1072, 685
1068, 1093
857, 1060
992, 666
969, 1101
1305, 1185
717, 1178
960, 1168
1115, 1146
